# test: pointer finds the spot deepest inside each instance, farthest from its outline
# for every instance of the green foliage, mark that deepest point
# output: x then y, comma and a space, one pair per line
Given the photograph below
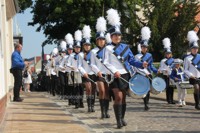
24, 4
167, 18
57, 18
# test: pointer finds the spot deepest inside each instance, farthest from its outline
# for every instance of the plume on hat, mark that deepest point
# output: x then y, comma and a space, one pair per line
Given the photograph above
48, 57
63, 45
55, 51
166, 43
78, 35
69, 39
101, 24
192, 36
139, 48
108, 39
113, 17
145, 33
86, 32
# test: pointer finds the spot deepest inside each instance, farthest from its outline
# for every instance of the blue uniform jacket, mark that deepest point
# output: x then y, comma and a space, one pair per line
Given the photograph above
150, 67
130, 57
175, 75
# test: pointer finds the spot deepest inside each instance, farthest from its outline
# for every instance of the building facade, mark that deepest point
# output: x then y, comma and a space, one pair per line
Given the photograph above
8, 8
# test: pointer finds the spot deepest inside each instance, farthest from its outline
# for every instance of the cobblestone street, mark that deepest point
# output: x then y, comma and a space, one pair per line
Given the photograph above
41, 112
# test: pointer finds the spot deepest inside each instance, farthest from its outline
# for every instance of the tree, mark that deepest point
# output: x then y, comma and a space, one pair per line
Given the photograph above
24, 4
169, 18
57, 18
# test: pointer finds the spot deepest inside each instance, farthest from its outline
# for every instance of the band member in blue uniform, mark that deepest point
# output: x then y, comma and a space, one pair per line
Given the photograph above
98, 67
88, 76
178, 76
166, 66
144, 56
118, 58
69, 90
62, 69
78, 90
192, 65
53, 73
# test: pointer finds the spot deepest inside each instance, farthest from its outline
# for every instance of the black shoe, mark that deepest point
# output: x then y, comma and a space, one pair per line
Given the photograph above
81, 105
197, 107
172, 102
76, 106
146, 108
18, 100
21, 98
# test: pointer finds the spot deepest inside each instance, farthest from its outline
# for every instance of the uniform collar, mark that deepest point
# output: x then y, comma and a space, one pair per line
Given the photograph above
193, 54
86, 52
114, 44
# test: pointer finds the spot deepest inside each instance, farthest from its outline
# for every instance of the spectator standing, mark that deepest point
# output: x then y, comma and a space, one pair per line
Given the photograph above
17, 66
27, 79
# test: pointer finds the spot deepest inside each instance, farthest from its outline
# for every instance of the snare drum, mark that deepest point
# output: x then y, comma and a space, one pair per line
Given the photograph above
139, 86
158, 85
185, 85
76, 77
69, 79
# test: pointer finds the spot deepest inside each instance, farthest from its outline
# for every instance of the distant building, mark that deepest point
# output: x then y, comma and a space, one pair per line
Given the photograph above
8, 9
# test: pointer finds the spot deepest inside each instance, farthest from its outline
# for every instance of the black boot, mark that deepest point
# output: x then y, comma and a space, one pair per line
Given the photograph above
102, 106
92, 103
118, 114
123, 114
106, 102
77, 103
145, 99
172, 95
196, 98
89, 103
81, 103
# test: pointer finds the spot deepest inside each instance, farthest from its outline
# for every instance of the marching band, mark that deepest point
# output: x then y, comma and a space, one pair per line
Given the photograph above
76, 66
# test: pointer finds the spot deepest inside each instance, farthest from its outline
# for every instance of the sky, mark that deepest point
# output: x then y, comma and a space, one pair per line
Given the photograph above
32, 40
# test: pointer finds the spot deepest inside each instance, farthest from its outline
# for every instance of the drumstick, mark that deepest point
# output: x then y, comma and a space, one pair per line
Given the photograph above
119, 77
146, 75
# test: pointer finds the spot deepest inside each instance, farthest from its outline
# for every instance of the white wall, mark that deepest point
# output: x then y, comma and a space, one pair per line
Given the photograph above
6, 46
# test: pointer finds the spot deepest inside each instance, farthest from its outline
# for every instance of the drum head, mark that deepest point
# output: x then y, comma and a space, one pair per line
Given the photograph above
158, 84
139, 85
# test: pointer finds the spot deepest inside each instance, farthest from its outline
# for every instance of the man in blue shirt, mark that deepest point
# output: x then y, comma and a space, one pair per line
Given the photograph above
17, 66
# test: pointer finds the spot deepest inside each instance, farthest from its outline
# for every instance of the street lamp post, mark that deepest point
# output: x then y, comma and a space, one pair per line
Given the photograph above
42, 62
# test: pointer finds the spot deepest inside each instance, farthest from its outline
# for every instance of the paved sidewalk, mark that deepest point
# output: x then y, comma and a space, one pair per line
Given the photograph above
39, 114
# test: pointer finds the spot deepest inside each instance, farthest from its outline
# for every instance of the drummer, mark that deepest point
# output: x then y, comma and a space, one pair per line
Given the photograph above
118, 56
178, 76
192, 66
72, 63
69, 89
62, 69
84, 67
166, 66
144, 56
98, 67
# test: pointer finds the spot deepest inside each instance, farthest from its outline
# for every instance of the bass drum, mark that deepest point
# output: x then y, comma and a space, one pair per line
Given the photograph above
139, 86
158, 85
